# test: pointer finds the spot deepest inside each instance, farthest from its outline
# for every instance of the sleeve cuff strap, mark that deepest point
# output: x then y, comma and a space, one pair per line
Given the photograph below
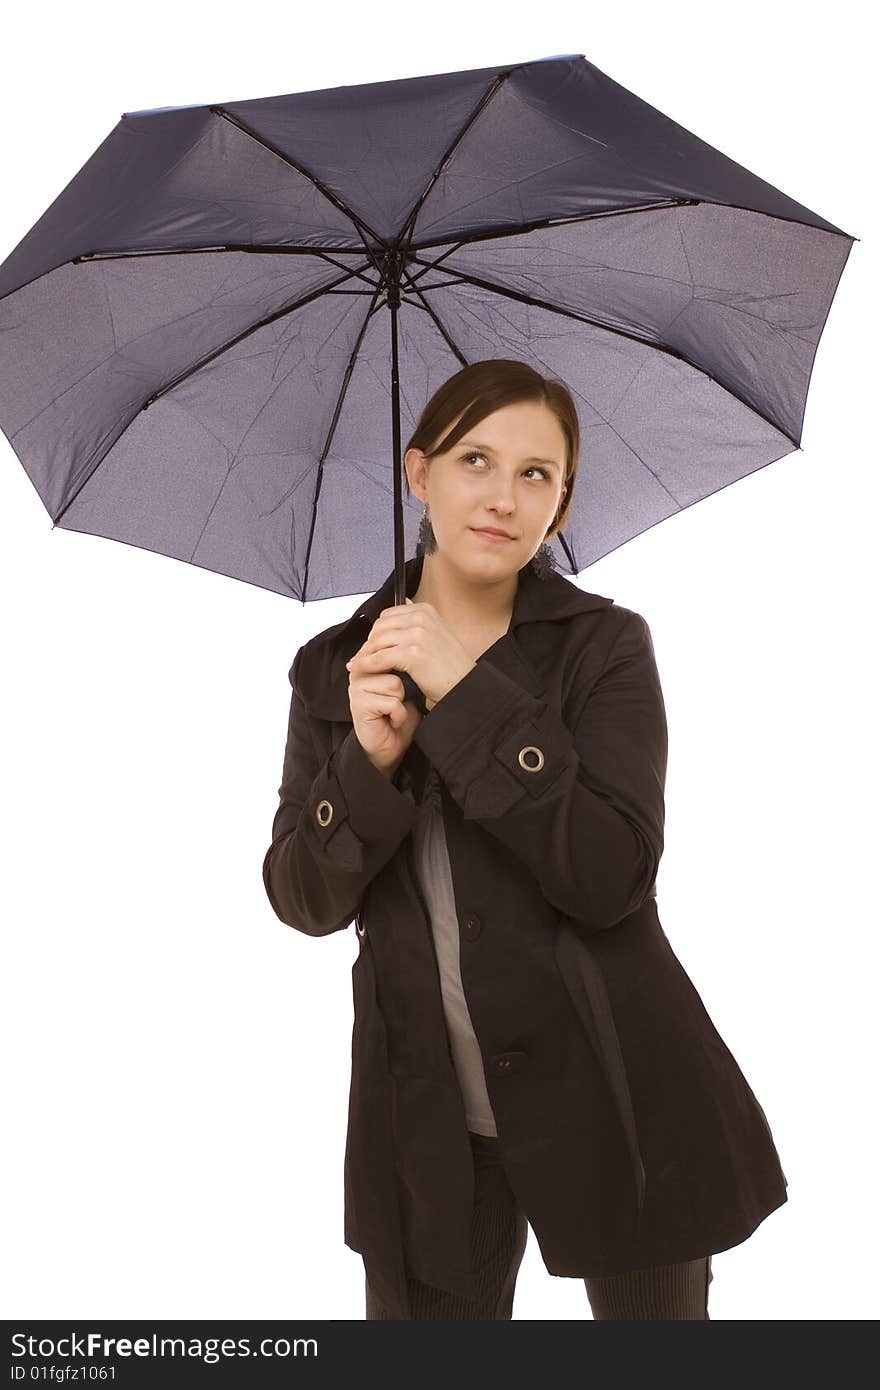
481, 701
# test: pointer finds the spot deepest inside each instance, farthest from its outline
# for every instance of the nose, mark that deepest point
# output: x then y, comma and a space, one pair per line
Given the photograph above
501, 499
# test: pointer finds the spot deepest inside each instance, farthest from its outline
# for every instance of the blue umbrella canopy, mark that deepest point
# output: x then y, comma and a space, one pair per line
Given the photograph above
211, 341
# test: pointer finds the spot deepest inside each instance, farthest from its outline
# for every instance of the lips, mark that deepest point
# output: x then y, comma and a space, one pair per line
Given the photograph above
492, 531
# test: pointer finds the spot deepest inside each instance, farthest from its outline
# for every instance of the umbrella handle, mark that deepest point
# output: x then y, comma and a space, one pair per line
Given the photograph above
411, 691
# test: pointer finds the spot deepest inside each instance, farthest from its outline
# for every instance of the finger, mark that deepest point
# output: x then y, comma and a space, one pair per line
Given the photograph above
402, 607
397, 617
380, 683
386, 706
377, 650
397, 715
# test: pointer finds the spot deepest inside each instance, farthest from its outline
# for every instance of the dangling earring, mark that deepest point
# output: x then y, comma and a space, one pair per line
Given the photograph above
543, 562
426, 543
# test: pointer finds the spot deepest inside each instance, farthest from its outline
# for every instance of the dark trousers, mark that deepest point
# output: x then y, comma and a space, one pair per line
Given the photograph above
498, 1240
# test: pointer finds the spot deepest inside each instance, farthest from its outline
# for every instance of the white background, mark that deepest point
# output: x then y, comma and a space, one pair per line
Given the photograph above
177, 1061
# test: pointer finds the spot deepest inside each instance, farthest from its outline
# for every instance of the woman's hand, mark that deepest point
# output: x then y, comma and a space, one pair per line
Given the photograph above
410, 637
383, 722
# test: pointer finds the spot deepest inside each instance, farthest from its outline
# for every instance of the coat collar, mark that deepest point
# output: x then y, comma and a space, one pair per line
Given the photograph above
323, 681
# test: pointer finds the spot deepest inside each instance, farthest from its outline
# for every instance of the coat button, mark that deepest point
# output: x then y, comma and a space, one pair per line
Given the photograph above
472, 926
506, 1063
531, 753
324, 812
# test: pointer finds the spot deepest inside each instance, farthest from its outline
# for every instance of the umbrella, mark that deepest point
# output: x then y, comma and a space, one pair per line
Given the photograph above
210, 338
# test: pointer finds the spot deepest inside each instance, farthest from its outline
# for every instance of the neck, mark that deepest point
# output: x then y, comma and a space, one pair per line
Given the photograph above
465, 605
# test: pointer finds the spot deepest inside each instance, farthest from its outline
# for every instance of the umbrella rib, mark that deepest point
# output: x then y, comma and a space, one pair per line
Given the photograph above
463, 277
490, 233
197, 366
251, 247
331, 430
324, 253
491, 91
538, 224
406, 231
135, 251
453, 346
358, 222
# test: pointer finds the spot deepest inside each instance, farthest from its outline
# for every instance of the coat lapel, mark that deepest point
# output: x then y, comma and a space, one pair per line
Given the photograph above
323, 682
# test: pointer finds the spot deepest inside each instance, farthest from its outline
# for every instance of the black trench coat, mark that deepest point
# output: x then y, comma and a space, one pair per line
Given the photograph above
628, 1133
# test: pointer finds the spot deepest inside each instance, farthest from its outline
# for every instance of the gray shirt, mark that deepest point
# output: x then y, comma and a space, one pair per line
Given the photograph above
435, 875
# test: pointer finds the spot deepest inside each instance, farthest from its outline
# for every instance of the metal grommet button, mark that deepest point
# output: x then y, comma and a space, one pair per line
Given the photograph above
531, 767
472, 926
324, 812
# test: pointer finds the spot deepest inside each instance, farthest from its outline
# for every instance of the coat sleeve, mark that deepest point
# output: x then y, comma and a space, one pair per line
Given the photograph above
588, 821
338, 822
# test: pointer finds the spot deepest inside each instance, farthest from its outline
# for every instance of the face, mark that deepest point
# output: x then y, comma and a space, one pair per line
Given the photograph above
507, 474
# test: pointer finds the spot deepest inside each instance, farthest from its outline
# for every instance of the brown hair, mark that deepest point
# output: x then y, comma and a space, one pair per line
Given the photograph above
483, 387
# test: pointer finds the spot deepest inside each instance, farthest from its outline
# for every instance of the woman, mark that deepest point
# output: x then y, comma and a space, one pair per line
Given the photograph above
527, 1048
